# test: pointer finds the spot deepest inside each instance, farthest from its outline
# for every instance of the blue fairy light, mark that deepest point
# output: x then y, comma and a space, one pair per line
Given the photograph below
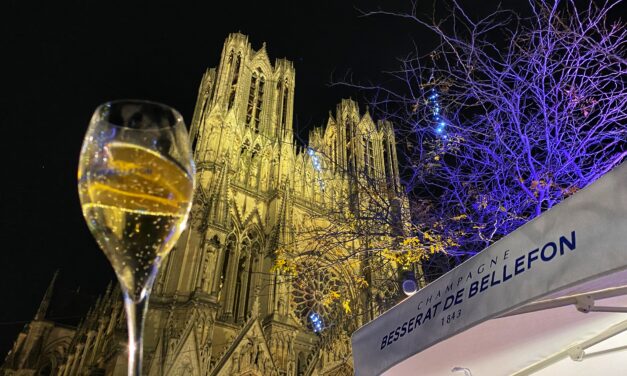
316, 322
435, 112
315, 161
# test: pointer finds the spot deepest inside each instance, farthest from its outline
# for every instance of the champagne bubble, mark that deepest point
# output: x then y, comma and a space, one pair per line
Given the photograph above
135, 212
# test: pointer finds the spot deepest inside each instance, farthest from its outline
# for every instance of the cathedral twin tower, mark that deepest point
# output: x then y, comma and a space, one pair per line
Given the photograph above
245, 107
219, 305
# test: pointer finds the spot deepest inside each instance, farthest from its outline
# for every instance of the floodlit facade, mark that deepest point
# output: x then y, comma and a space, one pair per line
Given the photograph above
219, 305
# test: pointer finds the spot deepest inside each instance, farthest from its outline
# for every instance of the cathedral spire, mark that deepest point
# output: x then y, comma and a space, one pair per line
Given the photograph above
45, 302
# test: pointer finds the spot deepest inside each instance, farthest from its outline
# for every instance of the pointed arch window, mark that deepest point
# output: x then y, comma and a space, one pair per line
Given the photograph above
386, 162
257, 116
240, 281
251, 276
251, 99
255, 100
350, 148
246, 278
234, 79
284, 107
369, 158
279, 101
225, 261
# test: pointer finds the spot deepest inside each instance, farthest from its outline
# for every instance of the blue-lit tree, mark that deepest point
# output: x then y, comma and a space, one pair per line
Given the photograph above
528, 122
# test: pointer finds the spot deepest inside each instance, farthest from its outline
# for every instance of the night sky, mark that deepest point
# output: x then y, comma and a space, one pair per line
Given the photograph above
63, 58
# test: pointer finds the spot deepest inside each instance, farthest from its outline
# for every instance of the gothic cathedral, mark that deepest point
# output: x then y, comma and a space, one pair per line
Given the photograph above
220, 306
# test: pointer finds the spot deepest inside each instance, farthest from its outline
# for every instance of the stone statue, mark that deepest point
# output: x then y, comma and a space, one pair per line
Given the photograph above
235, 365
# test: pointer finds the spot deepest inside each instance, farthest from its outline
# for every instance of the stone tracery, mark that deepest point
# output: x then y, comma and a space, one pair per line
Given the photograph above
256, 190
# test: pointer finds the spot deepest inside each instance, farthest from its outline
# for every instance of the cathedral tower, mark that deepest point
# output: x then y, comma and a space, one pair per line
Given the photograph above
219, 305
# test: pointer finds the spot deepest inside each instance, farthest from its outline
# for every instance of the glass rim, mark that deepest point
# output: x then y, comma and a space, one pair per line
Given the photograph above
177, 115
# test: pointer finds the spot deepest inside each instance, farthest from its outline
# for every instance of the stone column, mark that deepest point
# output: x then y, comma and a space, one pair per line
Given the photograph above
66, 367
218, 272
99, 335
90, 337
79, 349
241, 312
230, 281
254, 280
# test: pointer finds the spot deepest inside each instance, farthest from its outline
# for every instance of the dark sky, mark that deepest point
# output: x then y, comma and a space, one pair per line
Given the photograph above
63, 58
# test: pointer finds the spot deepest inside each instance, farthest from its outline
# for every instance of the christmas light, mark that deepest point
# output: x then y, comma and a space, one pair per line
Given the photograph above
435, 112
315, 161
316, 322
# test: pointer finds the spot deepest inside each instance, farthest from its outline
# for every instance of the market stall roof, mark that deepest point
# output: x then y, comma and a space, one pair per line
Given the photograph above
517, 307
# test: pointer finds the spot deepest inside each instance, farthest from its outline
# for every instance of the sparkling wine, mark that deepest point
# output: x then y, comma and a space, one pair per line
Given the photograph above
136, 204
136, 181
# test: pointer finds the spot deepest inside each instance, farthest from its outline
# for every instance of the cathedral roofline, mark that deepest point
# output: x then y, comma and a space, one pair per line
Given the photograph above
238, 38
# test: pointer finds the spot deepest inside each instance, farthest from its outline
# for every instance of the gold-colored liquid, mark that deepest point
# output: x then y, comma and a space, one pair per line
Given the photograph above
136, 204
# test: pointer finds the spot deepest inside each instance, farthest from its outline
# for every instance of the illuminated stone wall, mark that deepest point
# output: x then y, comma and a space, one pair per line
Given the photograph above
218, 306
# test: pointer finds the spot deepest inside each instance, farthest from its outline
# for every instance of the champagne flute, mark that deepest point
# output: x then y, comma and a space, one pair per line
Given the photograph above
135, 182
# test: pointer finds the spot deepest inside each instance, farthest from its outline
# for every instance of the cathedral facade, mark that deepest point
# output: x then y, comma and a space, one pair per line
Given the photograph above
220, 306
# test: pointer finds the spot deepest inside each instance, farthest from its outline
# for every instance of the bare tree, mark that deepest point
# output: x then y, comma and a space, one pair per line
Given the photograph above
509, 115
345, 261
503, 120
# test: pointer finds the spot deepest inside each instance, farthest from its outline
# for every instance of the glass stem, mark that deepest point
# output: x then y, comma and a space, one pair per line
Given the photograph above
135, 315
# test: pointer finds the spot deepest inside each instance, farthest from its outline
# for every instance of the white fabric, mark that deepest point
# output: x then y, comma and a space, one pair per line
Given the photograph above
580, 241
506, 345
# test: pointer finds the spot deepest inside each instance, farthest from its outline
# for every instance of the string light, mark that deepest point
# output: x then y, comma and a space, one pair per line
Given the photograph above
315, 161
316, 322
434, 104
